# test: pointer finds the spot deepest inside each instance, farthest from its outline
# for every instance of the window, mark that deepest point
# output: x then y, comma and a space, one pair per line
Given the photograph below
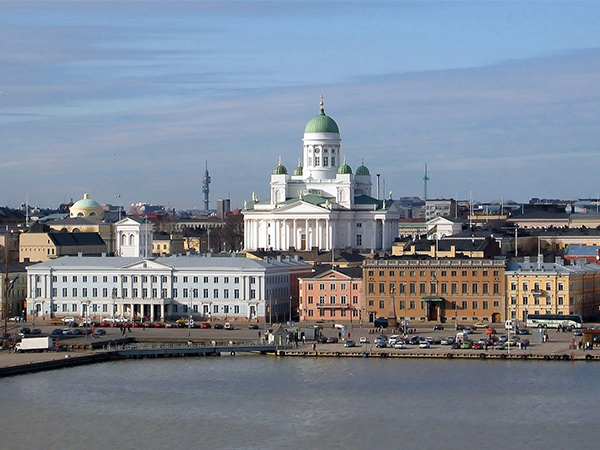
64, 292
371, 288
381, 304
475, 287
225, 293
74, 279
485, 288
236, 293
354, 299
215, 279
74, 292
95, 292
359, 240
475, 305
454, 288
310, 300
561, 286
413, 288
309, 286
343, 299
322, 286
94, 279
382, 288
444, 288
465, 288
412, 304
332, 299
513, 285
332, 287
464, 305
215, 293
496, 288
525, 286
134, 279
486, 304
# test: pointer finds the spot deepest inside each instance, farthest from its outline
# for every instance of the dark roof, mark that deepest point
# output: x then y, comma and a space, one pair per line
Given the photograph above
75, 239
353, 272
476, 244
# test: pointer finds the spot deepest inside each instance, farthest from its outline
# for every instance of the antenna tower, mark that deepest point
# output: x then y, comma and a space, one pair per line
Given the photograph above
425, 180
206, 188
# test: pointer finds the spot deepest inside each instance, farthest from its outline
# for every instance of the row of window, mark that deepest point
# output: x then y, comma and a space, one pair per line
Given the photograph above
135, 293
431, 288
433, 273
333, 300
332, 286
144, 279
537, 286
334, 313
547, 300
412, 304
104, 307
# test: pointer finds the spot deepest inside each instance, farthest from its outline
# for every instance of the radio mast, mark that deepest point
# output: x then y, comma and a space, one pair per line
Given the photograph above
425, 180
206, 189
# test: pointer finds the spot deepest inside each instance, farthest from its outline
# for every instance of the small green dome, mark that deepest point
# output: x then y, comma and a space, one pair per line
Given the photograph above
362, 170
280, 169
321, 123
298, 170
345, 169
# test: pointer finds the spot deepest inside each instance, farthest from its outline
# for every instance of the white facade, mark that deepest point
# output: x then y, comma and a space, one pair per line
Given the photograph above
322, 203
134, 237
215, 288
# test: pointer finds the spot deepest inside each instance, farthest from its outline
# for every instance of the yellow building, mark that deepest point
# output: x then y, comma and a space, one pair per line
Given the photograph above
165, 244
42, 245
552, 288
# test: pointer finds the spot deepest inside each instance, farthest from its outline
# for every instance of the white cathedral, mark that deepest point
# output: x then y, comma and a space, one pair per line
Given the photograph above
322, 203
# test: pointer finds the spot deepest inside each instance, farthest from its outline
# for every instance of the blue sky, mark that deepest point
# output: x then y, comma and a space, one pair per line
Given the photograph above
499, 98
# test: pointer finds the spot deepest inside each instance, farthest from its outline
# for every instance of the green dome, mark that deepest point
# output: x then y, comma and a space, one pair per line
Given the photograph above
298, 170
280, 170
321, 123
362, 170
345, 169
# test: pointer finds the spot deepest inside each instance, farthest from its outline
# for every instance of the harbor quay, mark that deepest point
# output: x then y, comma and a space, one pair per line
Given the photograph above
75, 350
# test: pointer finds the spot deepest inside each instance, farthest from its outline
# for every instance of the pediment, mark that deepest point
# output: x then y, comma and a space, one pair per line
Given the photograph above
300, 207
146, 265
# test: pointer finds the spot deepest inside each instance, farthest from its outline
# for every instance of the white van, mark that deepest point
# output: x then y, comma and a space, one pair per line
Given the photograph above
512, 324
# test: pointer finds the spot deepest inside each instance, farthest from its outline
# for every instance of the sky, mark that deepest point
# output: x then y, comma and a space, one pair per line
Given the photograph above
128, 100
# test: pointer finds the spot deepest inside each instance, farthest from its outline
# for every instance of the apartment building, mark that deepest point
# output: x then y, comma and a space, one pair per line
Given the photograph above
450, 290
537, 287
332, 295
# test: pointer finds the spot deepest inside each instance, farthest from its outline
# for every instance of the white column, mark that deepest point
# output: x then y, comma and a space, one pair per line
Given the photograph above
295, 236
318, 233
306, 233
327, 235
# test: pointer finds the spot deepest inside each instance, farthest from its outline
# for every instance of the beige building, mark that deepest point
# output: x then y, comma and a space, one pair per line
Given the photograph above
165, 244
552, 288
17, 279
44, 245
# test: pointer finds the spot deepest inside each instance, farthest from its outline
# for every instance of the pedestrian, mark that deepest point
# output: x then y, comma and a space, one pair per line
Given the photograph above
559, 328
259, 334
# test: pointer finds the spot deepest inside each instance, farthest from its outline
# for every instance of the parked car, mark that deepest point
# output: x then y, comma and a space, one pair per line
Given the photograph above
25, 330
104, 324
56, 332
523, 331
478, 346
438, 327
381, 344
424, 344
400, 345
332, 340
68, 319
467, 344
414, 340
456, 345
380, 322
229, 326
99, 332
481, 325
205, 325
349, 343
447, 341
159, 325
468, 330
218, 326
321, 340
252, 326
499, 346
364, 340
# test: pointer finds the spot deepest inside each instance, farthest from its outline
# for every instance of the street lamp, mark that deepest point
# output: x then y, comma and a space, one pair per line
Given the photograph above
190, 314
405, 321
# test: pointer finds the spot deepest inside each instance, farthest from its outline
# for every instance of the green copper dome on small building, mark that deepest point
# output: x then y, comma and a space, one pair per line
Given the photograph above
298, 170
345, 168
321, 123
362, 170
280, 169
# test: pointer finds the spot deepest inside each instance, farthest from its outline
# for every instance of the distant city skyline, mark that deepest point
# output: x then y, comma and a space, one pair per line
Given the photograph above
127, 100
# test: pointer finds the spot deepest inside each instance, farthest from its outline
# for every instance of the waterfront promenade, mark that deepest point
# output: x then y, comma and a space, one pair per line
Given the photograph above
80, 348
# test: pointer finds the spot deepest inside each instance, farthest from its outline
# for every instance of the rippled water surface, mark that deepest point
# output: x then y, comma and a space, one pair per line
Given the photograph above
259, 402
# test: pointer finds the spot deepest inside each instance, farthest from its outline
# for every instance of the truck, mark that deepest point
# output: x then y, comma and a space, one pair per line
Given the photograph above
34, 344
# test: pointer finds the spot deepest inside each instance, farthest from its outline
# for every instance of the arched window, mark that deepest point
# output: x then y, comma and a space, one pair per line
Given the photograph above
123, 239
131, 239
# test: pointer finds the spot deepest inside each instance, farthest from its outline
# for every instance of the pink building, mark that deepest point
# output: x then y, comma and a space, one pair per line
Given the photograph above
332, 295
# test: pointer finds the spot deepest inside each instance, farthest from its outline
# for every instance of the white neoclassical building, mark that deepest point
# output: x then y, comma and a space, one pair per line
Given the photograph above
134, 237
230, 288
322, 203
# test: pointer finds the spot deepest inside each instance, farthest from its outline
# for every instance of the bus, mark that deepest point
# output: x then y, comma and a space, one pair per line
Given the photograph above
554, 320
